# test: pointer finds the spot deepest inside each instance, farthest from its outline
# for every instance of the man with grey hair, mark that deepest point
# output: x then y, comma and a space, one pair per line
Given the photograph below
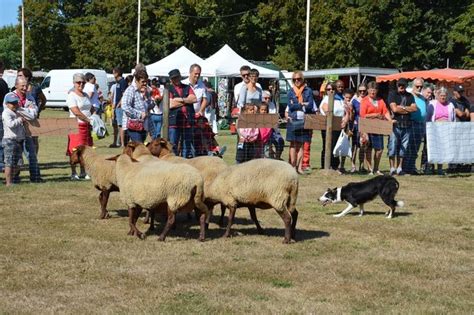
417, 128
200, 90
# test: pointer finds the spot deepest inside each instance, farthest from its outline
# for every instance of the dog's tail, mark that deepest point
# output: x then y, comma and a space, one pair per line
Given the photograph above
400, 204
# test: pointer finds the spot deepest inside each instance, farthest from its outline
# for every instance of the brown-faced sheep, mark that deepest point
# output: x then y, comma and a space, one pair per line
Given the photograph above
152, 184
260, 183
101, 171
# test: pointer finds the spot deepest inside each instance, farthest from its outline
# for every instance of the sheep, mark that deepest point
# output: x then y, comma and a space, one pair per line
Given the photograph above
151, 184
262, 183
101, 171
208, 166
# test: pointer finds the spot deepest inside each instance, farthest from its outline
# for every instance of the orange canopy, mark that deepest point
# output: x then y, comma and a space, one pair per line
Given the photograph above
448, 74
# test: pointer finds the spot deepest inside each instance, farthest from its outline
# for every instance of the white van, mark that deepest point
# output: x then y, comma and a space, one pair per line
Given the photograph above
57, 84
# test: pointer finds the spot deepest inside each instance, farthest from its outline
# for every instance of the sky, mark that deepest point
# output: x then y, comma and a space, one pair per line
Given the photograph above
9, 12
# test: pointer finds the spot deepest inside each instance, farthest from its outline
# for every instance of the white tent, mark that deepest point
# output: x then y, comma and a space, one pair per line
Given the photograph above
226, 63
181, 59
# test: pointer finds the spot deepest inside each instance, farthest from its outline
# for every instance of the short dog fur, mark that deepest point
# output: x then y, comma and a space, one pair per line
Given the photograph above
357, 194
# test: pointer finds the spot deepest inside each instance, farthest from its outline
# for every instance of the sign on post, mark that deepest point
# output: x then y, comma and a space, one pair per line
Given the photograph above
375, 126
257, 121
318, 122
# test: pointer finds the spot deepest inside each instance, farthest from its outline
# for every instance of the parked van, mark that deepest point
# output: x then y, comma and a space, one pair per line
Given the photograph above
57, 84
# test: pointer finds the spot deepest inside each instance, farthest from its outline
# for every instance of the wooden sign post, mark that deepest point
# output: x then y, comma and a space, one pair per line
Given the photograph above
257, 121
375, 126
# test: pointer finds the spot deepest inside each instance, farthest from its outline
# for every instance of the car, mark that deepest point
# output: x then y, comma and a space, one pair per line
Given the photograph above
57, 84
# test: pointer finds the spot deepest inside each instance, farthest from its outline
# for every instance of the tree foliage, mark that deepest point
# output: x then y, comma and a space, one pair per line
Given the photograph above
405, 34
10, 47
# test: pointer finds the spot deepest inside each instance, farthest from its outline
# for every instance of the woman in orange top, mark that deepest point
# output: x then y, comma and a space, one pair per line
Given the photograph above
373, 107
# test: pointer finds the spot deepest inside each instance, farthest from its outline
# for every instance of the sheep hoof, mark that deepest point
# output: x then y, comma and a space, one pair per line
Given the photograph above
288, 241
130, 232
207, 226
201, 239
104, 216
140, 235
161, 239
226, 235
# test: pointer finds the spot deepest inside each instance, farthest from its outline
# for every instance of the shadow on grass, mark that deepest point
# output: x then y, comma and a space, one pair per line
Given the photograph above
51, 165
379, 213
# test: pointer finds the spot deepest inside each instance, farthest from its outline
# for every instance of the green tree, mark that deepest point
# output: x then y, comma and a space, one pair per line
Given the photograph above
461, 40
10, 47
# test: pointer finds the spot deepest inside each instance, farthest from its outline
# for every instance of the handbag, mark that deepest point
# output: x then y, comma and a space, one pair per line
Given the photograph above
343, 146
294, 125
135, 124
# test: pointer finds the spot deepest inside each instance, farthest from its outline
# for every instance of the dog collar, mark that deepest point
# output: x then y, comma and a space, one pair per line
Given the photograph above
338, 198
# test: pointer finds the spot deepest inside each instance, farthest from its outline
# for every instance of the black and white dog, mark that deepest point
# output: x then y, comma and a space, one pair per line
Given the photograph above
357, 194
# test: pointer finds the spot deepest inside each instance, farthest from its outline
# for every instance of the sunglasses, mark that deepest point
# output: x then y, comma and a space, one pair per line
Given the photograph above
80, 82
418, 86
297, 79
330, 89
245, 74
362, 91
266, 98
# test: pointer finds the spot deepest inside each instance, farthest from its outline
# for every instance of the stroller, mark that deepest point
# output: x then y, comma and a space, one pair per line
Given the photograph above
205, 142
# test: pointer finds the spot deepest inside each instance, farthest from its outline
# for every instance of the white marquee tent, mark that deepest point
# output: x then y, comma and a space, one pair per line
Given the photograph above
226, 63
181, 59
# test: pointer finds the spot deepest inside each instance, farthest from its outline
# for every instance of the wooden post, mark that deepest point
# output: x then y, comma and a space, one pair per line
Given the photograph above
328, 148
166, 111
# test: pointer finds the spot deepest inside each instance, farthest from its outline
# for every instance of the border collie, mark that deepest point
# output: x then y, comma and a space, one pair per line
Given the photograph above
357, 194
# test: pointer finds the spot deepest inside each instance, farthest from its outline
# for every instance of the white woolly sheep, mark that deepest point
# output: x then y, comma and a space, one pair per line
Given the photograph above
259, 183
151, 184
101, 171
208, 166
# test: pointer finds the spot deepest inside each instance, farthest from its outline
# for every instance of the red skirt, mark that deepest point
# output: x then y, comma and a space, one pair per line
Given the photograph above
82, 138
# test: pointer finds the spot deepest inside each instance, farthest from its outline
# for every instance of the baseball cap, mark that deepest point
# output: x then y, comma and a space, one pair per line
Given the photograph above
458, 88
402, 81
174, 74
11, 98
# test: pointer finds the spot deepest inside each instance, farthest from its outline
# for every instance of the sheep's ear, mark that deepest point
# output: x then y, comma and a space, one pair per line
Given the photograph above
74, 149
146, 143
163, 141
133, 160
113, 158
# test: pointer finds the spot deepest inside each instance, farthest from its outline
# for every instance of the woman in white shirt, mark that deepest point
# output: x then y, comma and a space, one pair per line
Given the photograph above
80, 107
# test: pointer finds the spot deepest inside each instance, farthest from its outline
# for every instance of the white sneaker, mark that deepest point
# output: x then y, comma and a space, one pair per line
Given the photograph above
75, 177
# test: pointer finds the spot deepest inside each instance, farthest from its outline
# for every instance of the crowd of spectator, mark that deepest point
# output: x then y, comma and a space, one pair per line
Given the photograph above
137, 104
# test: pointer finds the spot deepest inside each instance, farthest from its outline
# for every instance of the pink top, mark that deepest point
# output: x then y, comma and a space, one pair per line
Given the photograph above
441, 112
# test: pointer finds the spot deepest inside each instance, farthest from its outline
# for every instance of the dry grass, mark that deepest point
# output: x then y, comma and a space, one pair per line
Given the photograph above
56, 256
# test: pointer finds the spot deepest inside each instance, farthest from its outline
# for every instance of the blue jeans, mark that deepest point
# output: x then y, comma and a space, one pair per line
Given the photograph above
29, 148
185, 135
417, 134
156, 121
399, 140
137, 136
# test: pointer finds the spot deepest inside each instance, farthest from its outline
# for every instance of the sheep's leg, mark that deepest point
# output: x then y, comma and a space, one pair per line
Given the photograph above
169, 223
151, 217
294, 219
133, 213
202, 229
232, 210
147, 218
253, 215
103, 199
221, 220
286, 217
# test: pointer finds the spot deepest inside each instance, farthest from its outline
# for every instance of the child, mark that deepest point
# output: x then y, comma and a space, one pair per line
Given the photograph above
348, 94
14, 136
264, 135
247, 138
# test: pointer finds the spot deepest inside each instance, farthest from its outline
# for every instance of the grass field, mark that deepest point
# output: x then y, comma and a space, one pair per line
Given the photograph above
57, 257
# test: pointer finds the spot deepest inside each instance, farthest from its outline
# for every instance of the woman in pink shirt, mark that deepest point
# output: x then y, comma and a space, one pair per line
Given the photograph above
373, 107
441, 110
